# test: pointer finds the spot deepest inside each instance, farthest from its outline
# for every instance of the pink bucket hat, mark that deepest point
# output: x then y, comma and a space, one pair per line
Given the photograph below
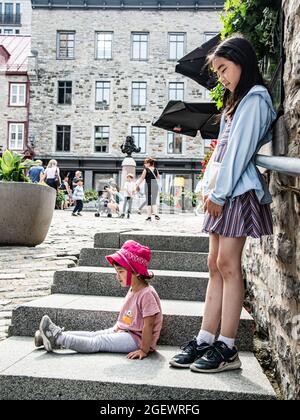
134, 257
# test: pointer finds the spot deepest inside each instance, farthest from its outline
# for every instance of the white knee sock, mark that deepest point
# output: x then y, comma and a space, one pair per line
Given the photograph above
228, 341
205, 337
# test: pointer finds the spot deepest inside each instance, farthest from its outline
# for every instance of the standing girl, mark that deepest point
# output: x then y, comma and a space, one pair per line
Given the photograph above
237, 204
151, 176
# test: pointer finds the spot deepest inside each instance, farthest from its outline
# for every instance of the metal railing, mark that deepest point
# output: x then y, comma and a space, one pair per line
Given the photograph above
285, 165
10, 18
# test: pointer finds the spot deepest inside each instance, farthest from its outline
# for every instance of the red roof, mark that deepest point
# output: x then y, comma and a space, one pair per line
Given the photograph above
18, 48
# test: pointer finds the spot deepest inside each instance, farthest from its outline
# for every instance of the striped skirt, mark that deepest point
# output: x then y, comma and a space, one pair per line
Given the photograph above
245, 217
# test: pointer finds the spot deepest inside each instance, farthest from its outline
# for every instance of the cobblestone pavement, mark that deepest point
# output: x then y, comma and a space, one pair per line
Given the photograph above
27, 273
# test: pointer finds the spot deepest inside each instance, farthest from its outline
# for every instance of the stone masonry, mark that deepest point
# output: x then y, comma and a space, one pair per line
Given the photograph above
272, 265
85, 70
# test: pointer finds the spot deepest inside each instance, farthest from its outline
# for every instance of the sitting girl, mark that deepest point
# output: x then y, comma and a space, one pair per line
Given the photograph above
140, 320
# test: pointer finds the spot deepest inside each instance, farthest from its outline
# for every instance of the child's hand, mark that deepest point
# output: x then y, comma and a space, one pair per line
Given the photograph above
213, 209
138, 354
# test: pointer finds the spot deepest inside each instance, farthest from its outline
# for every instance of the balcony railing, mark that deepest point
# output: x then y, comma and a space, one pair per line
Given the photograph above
10, 19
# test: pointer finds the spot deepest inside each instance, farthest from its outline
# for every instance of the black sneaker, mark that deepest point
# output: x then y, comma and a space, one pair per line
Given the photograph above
217, 359
190, 352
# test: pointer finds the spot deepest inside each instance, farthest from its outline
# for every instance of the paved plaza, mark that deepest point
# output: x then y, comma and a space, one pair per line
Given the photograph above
27, 273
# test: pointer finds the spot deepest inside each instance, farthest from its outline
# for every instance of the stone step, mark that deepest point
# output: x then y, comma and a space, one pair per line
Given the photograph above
160, 260
157, 242
101, 281
31, 374
90, 313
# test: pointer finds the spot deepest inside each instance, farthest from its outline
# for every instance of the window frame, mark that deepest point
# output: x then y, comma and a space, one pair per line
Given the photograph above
103, 89
65, 88
18, 104
139, 105
184, 34
137, 140
108, 142
58, 49
133, 34
24, 133
111, 45
169, 91
173, 140
56, 135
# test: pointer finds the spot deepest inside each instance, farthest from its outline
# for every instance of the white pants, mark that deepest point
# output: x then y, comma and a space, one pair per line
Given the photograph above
108, 341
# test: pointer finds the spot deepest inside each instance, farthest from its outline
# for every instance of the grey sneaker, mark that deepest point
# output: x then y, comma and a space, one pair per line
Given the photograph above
38, 340
49, 332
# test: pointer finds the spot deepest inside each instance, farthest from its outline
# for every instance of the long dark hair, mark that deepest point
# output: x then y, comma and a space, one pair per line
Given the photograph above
240, 51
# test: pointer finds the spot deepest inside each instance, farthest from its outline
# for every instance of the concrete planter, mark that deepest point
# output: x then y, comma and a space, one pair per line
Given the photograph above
26, 212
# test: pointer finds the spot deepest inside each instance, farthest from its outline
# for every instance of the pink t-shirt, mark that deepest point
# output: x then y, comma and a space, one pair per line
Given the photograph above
137, 306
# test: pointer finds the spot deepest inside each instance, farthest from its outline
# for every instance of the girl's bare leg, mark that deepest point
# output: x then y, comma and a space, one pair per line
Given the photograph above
229, 266
214, 293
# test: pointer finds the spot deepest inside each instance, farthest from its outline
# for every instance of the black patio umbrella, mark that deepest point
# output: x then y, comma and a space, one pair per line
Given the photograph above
187, 118
193, 66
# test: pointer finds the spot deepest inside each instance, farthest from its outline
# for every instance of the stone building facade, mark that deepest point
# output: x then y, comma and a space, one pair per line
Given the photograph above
15, 17
102, 73
272, 265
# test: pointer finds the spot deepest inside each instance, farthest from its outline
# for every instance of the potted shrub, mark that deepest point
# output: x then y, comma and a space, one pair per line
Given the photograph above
26, 209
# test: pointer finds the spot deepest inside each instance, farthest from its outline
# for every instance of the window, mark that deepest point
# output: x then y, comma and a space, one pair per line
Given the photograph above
174, 143
8, 31
66, 45
140, 137
209, 35
176, 45
104, 45
16, 136
17, 31
139, 46
102, 139
102, 95
176, 91
63, 138
65, 93
18, 13
139, 94
17, 94
8, 13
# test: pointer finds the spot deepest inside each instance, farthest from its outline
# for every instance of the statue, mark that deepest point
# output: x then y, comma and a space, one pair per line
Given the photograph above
129, 146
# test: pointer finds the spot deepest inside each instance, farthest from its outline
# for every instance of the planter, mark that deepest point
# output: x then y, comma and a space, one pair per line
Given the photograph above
26, 212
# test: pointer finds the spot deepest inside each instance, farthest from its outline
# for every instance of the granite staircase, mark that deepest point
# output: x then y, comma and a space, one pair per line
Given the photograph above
88, 297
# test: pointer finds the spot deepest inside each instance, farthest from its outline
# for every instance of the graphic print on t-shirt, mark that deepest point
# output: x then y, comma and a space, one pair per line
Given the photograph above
127, 318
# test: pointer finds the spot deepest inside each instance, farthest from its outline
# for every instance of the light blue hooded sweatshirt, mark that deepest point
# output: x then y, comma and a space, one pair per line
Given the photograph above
250, 129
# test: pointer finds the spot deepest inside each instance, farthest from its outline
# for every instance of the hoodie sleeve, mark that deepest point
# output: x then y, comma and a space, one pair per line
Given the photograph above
251, 126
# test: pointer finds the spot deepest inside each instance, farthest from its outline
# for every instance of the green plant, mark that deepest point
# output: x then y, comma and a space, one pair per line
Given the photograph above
167, 199
13, 167
60, 199
90, 195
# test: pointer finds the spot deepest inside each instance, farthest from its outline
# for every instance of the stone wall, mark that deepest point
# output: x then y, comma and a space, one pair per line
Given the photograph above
272, 264
84, 71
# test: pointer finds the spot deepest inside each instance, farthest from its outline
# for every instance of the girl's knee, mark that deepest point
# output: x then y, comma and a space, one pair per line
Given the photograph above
225, 267
212, 263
